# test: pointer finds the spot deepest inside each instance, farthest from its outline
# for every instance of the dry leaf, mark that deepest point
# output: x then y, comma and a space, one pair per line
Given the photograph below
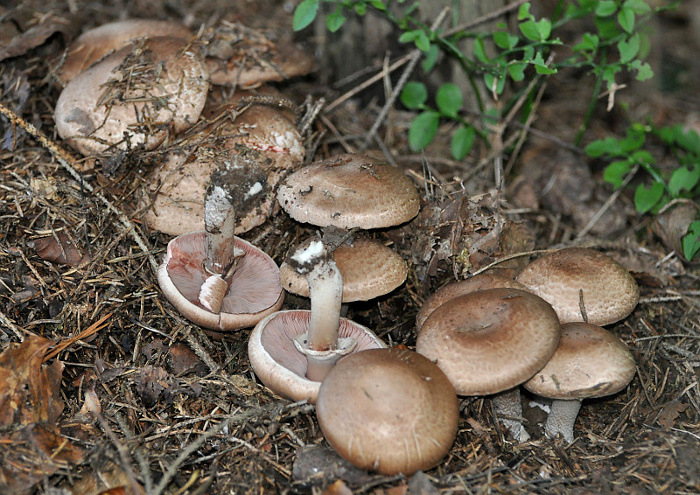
670, 413
337, 488
59, 249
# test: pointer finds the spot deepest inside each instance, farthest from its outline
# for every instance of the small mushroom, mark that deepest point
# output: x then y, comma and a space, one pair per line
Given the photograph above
388, 410
138, 95
589, 362
368, 268
578, 281
95, 43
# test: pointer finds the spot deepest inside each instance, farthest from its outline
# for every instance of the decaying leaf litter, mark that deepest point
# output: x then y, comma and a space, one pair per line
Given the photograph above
144, 400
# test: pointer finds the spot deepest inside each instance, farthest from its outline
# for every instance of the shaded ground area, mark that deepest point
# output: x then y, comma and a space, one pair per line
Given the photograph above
145, 398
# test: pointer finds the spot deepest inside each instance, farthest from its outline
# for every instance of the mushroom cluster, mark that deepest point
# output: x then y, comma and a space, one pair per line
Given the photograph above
465, 328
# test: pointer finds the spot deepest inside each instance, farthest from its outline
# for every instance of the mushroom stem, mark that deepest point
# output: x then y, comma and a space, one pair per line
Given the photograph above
509, 412
561, 419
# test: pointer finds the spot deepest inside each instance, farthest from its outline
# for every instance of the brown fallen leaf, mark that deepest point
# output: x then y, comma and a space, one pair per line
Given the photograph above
29, 391
670, 412
20, 33
59, 249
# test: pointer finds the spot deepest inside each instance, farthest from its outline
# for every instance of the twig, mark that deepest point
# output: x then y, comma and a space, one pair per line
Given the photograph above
18, 331
92, 329
485, 18
415, 56
64, 158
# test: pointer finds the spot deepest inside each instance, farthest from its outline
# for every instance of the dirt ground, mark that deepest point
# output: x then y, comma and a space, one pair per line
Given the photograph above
136, 399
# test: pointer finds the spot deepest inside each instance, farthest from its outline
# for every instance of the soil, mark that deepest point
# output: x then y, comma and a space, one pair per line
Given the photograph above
136, 399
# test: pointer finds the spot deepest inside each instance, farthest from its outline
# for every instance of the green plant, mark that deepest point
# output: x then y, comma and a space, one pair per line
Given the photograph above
629, 153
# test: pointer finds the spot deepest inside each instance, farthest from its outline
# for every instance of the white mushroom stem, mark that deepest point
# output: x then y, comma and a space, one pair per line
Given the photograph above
219, 222
561, 419
320, 342
509, 411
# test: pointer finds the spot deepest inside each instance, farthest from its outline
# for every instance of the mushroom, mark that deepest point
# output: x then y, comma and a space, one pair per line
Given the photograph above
179, 182
447, 292
368, 268
388, 410
138, 95
488, 342
95, 43
589, 362
203, 273
349, 191
582, 285
241, 56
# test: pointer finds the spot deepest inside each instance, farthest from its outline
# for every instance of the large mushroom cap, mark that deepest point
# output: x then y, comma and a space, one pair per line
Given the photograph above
349, 191
483, 281
92, 45
589, 362
369, 269
389, 410
253, 293
278, 362
609, 291
489, 341
135, 96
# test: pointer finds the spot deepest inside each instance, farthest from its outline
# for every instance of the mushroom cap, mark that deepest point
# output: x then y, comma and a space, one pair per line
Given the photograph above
103, 103
179, 183
369, 269
349, 191
279, 364
239, 55
483, 281
253, 293
610, 293
388, 410
95, 43
491, 340
589, 362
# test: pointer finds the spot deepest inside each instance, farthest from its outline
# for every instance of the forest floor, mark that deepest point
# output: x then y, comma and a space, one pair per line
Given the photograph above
135, 398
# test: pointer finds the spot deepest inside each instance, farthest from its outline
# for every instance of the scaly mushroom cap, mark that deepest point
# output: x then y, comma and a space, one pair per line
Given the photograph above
136, 96
239, 55
253, 293
610, 293
94, 44
279, 364
349, 191
369, 269
479, 282
589, 362
489, 341
388, 410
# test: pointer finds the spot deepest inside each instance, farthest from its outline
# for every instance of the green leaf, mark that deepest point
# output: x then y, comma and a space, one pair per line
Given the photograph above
462, 141
589, 42
304, 14
607, 27
378, 4
407, 36
628, 48
360, 8
517, 71
633, 141
335, 20
449, 99
530, 31
495, 82
609, 73
645, 198
639, 7
600, 147
691, 241
544, 27
524, 12
606, 8
480, 51
626, 19
644, 70
430, 58
643, 157
541, 66
683, 178
422, 130
616, 171
689, 140
422, 41
414, 94
505, 40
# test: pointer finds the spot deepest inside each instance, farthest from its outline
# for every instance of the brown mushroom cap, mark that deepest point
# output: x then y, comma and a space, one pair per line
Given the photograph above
388, 410
589, 362
94, 44
349, 191
479, 282
240, 55
146, 90
610, 293
490, 341
279, 364
253, 293
369, 269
